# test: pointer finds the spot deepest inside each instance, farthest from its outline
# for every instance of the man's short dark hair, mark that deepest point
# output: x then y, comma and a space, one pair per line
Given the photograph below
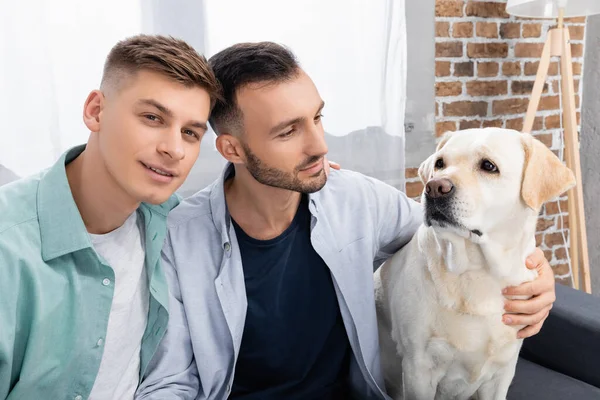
243, 64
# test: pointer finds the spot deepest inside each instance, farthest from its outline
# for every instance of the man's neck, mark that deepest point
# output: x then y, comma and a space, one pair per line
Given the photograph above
103, 206
262, 211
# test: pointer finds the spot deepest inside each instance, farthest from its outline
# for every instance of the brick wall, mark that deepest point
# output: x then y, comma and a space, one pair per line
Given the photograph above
486, 62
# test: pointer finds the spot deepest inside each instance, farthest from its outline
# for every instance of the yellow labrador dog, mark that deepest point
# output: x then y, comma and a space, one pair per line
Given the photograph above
439, 300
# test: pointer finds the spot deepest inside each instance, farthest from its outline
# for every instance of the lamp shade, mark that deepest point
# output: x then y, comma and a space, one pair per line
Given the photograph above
549, 8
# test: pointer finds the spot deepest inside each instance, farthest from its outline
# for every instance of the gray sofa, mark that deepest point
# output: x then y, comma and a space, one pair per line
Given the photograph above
562, 362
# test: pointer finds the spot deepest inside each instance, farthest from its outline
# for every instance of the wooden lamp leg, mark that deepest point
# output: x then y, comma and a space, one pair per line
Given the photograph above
577, 225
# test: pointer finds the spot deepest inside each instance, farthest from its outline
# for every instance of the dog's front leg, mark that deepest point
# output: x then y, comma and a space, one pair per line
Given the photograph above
497, 388
418, 380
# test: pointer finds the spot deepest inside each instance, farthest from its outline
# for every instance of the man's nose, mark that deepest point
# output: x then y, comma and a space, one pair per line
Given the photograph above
316, 144
171, 145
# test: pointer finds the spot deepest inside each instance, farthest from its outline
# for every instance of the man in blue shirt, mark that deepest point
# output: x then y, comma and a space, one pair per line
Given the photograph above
271, 269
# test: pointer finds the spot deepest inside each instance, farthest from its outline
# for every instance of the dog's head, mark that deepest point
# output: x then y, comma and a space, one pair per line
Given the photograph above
481, 181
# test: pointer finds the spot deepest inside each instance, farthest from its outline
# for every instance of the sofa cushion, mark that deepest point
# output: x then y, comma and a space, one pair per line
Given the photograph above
532, 381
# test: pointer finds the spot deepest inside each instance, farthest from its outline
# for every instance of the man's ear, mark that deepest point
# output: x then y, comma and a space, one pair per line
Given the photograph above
92, 110
230, 148
544, 175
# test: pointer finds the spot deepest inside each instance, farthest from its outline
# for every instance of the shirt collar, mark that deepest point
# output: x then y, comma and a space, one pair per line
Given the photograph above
61, 227
218, 205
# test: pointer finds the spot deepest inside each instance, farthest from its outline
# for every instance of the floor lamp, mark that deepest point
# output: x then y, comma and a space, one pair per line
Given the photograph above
558, 44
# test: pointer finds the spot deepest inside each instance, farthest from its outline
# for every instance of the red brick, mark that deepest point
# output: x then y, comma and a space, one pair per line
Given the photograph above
545, 138
414, 189
510, 30
575, 20
486, 9
463, 68
552, 207
561, 253
554, 239
448, 8
442, 29
444, 126
517, 123
562, 221
560, 268
576, 50
465, 124
530, 50
487, 29
442, 68
487, 88
492, 123
525, 87
531, 68
487, 50
577, 68
544, 224
510, 106
511, 68
449, 49
577, 32
411, 173
487, 69
539, 238
462, 29
532, 30
466, 109
552, 121
448, 88
549, 103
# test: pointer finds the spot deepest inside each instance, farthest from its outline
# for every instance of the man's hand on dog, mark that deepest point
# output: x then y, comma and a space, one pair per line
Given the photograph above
532, 312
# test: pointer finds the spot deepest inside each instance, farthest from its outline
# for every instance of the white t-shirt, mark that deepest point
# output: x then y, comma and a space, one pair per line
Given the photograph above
123, 250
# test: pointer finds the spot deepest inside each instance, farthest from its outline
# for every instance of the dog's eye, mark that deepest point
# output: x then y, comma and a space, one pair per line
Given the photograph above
439, 164
488, 166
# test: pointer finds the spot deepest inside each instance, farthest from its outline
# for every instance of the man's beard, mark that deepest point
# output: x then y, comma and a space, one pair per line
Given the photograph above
281, 179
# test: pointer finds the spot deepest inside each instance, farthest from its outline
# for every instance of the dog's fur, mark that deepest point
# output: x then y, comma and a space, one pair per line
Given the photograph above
439, 300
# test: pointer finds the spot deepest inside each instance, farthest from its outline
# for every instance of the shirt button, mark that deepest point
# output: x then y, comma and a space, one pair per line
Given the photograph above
78, 397
227, 246
106, 281
100, 342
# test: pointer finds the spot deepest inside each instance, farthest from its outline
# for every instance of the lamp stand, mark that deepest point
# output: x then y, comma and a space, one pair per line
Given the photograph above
558, 44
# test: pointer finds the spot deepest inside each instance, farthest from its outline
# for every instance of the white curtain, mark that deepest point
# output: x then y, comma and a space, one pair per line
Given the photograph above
52, 54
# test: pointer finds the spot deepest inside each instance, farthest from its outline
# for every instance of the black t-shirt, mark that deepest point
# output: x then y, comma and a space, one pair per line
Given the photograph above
294, 344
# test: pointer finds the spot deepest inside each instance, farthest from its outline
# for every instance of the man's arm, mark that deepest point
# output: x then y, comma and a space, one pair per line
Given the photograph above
397, 216
172, 373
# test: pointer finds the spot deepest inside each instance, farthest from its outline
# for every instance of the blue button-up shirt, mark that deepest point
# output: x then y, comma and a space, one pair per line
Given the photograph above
357, 223
56, 292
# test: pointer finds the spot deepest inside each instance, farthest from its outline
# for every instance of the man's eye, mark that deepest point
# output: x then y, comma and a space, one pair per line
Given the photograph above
191, 133
318, 117
152, 117
287, 134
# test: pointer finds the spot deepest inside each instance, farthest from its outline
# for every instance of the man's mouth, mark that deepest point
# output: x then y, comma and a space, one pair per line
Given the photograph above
158, 171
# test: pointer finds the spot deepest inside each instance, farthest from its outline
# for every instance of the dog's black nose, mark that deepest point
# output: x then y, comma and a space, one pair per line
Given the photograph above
436, 188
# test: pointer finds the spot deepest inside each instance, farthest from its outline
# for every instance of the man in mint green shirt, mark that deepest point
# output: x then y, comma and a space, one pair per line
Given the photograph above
83, 297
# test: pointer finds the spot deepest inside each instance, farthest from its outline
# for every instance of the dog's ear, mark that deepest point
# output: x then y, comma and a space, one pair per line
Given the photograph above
544, 175
426, 167
443, 140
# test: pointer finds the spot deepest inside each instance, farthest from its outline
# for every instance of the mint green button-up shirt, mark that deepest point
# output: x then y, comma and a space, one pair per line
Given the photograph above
56, 292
